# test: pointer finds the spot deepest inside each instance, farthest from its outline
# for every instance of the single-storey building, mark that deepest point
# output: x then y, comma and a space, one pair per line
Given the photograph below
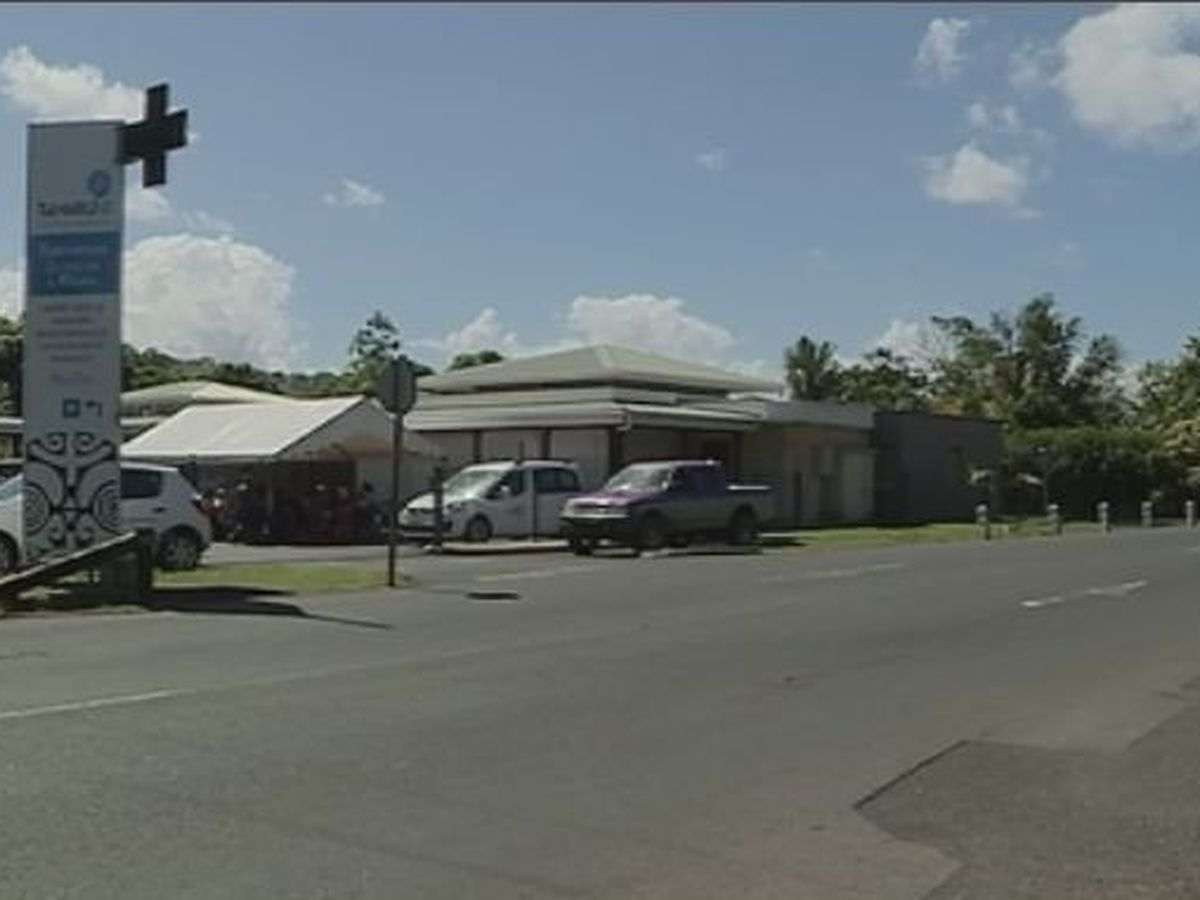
287, 446
605, 406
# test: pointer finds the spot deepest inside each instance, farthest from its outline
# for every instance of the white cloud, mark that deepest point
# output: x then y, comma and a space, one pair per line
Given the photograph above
1030, 67
352, 193
641, 321
146, 204
647, 322
484, 332
191, 296
713, 160
1127, 74
47, 91
940, 52
970, 176
12, 291
999, 118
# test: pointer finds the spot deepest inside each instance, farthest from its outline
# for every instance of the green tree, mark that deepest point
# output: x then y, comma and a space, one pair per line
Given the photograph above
1029, 369
372, 346
885, 379
12, 347
481, 358
811, 369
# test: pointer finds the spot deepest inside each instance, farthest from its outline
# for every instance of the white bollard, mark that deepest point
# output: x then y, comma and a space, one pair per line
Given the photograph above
1147, 514
1189, 513
982, 520
1102, 516
1053, 519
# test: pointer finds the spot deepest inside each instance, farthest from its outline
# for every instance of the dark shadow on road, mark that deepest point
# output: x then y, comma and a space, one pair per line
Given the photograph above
241, 601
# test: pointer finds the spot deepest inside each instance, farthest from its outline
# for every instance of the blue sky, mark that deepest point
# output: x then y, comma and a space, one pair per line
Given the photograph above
709, 181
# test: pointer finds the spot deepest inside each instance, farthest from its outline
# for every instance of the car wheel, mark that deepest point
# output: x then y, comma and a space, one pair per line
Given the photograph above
651, 534
743, 532
8, 555
179, 550
478, 530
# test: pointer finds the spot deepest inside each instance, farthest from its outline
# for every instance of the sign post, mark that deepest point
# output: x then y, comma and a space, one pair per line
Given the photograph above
398, 391
72, 366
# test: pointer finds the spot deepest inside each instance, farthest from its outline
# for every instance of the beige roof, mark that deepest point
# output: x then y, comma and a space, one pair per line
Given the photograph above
259, 432
178, 394
599, 364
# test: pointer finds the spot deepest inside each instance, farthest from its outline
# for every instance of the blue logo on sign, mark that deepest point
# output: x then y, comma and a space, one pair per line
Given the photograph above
99, 183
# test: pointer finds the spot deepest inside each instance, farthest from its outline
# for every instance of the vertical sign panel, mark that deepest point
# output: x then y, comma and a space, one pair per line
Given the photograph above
72, 374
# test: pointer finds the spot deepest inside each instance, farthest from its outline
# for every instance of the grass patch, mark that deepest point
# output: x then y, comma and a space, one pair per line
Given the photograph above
285, 577
939, 533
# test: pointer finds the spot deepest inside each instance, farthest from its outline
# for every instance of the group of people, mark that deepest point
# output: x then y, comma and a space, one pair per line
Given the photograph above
324, 514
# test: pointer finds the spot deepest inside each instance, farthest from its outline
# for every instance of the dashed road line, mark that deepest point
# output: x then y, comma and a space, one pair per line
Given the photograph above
1044, 601
85, 705
1124, 589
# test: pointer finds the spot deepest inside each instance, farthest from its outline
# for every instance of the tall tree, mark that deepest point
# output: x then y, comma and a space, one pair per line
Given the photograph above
467, 360
12, 356
885, 379
811, 369
1028, 369
376, 342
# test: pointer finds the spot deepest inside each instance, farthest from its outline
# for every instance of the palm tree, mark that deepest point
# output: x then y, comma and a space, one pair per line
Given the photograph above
812, 371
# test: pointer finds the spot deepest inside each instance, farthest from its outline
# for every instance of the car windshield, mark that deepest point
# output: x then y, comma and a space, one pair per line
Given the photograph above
471, 482
640, 478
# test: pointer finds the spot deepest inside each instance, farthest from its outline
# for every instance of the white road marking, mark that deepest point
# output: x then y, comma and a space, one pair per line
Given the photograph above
538, 573
1116, 590
826, 574
1045, 601
1110, 590
85, 705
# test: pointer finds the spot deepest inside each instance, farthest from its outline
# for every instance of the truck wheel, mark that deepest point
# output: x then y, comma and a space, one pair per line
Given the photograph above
478, 530
582, 546
743, 531
651, 534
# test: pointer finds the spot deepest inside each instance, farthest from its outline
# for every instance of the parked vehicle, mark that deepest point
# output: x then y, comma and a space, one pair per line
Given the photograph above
155, 498
650, 505
506, 498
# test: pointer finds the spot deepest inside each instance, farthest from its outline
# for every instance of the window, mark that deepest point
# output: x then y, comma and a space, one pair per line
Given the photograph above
514, 480
140, 484
707, 479
555, 481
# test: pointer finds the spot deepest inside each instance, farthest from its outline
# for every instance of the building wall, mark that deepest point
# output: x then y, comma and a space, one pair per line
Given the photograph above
644, 444
524, 444
820, 475
923, 461
588, 447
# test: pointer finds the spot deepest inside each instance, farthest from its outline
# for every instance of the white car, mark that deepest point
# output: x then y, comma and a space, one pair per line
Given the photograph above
506, 498
156, 498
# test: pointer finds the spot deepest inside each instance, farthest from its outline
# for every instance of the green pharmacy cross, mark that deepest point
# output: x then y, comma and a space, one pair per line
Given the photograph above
152, 138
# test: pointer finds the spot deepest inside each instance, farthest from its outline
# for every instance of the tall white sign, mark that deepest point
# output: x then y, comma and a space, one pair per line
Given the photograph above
72, 366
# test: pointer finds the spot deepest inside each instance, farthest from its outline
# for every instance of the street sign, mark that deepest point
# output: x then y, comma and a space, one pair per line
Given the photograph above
75, 217
72, 362
397, 387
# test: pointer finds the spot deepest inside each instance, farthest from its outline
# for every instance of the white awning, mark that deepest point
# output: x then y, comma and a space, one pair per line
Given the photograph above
242, 433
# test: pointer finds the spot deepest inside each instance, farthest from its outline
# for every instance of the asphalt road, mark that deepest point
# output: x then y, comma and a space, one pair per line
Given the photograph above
987, 720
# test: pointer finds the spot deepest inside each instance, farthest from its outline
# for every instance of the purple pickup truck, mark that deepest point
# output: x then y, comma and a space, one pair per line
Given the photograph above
651, 505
